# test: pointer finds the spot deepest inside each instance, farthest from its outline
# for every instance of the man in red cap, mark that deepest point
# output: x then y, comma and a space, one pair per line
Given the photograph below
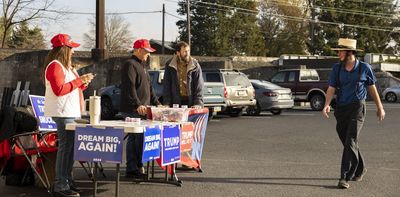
136, 94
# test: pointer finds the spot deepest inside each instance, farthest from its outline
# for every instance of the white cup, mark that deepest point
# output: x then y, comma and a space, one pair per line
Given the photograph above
94, 109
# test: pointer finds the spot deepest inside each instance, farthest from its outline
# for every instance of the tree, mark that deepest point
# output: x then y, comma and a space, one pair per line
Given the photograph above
117, 34
282, 26
370, 22
19, 11
222, 27
26, 38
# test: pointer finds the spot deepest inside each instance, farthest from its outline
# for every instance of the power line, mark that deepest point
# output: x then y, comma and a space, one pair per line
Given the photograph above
294, 18
339, 10
92, 13
174, 16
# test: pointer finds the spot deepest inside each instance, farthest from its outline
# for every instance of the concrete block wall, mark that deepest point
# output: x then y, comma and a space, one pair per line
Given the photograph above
28, 66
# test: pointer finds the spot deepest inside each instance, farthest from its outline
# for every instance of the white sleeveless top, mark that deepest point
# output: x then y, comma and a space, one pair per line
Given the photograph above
62, 106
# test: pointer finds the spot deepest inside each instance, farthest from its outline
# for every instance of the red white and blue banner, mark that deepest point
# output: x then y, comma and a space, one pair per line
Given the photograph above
151, 143
199, 117
192, 156
98, 144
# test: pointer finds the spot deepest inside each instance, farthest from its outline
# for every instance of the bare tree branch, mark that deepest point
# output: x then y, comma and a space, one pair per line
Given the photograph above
20, 11
117, 34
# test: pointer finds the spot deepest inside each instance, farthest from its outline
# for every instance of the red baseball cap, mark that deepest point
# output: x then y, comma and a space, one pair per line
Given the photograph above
143, 44
63, 40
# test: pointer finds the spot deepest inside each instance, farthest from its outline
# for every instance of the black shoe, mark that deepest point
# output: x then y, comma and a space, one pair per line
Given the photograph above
135, 175
66, 193
74, 188
360, 176
343, 184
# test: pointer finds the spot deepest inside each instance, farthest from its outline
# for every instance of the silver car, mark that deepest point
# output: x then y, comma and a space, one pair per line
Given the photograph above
391, 94
270, 97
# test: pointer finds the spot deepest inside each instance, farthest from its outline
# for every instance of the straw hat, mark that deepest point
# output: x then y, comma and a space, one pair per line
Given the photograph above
346, 44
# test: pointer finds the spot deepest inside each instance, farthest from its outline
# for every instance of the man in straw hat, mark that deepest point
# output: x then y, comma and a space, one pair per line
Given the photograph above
350, 80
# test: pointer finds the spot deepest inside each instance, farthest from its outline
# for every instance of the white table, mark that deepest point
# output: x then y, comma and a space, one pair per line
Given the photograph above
130, 127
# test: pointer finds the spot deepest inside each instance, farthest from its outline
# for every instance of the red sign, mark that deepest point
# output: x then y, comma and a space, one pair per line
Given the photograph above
186, 136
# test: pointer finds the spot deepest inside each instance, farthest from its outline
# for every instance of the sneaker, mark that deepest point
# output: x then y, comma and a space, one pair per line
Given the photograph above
135, 175
74, 188
343, 184
359, 177
66, 193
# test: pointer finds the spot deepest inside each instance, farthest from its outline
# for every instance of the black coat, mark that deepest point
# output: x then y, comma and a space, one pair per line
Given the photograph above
136, 87
16, 120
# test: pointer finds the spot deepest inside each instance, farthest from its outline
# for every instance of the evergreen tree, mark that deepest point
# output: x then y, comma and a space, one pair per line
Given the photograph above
218, 30
283, 30
26, 38
365, 21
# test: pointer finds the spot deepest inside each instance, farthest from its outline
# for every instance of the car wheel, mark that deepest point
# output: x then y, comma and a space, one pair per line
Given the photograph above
391, 97
107, 111
236, 112
254, 110
317, 102
276, 111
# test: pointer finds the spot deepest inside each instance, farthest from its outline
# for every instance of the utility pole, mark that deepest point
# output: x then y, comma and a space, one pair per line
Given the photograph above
312, 23
188, 20
99, 53
163, 29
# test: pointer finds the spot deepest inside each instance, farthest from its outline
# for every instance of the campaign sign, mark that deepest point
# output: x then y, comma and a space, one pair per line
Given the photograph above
151, 143
45, 123
98, 144
170, 145
186, 136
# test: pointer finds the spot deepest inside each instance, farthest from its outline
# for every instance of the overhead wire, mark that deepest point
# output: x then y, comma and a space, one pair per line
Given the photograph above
378, 28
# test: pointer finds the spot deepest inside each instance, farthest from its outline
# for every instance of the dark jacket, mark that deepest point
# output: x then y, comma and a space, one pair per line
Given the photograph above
16, 120
136, 88
171, 93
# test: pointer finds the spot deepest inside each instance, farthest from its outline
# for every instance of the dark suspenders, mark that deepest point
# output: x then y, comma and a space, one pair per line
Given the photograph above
338, 88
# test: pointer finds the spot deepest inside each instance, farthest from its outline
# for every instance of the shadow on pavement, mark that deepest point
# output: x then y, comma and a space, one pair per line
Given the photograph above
261, 181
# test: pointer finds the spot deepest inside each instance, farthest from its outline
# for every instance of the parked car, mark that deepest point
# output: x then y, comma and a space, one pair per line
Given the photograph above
270, 97
305, 84
391, 94
213, 95
238, 91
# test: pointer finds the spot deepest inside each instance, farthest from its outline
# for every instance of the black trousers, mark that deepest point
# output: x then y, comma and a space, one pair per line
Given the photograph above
350, 119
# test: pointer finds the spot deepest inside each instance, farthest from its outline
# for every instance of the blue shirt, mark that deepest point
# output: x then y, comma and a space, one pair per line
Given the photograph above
349, 80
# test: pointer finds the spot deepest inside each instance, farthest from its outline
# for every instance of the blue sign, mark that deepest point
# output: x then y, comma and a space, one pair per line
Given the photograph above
98, 144
45, 123
171, 145
151, 144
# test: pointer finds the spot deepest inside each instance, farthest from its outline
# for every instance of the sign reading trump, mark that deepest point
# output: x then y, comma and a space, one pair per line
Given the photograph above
171, 145
45, 123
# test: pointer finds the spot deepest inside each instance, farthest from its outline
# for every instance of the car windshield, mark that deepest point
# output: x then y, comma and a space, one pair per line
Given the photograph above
236, 79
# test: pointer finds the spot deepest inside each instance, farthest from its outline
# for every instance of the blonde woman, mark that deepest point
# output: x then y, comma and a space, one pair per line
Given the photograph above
64, 103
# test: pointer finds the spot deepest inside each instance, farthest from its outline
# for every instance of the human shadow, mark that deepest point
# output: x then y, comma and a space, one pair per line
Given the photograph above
261, 181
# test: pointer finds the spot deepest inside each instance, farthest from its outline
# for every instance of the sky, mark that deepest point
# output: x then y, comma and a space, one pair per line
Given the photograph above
147, 25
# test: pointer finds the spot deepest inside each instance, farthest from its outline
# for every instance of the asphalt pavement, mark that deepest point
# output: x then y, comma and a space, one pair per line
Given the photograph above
296, 153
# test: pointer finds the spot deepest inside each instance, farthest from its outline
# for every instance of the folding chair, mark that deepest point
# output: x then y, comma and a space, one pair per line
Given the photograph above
25, 141
32, 146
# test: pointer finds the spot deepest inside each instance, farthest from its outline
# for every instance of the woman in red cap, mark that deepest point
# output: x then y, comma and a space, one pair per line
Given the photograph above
63, 94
